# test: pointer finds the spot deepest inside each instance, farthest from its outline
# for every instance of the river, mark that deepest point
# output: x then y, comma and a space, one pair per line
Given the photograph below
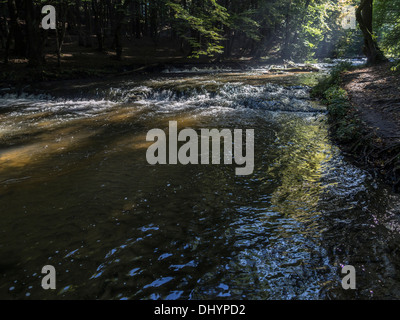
76, 192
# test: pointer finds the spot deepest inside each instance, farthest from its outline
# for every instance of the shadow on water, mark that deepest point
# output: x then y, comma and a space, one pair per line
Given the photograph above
76, 192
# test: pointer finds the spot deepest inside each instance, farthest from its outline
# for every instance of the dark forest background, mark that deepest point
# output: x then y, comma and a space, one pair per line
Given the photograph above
162, 30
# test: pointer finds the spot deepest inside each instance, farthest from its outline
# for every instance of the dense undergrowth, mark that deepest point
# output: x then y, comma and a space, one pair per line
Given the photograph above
346, 126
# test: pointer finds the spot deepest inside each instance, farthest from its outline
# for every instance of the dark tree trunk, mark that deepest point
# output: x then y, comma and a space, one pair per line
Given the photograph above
81, 40
137, 19
286, 54
7, 49
120, 22
364, 15
98, 24
230, 39
60, 32
35, 41
15, 33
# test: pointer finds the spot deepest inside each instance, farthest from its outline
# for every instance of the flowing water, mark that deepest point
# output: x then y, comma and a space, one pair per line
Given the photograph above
76, 192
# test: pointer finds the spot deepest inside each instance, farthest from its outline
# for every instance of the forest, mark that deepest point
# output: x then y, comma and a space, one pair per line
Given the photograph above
302, 30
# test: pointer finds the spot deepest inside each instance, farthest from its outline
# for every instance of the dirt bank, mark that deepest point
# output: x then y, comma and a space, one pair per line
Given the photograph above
375, 94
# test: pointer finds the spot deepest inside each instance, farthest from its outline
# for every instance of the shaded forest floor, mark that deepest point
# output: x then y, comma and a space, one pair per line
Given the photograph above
374, 92
77, 62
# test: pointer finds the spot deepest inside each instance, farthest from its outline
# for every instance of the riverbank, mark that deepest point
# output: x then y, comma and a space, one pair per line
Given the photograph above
140, 57
79, 62
364, 112
20, 76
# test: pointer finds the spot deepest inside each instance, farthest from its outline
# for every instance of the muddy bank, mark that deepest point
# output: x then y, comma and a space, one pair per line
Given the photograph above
375, 96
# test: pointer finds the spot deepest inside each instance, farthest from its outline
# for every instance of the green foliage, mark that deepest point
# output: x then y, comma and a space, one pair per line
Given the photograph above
296, 29
303, 30
204, 23
314, 28
327, 87
350, 45
244, 22
346, 126
387, 21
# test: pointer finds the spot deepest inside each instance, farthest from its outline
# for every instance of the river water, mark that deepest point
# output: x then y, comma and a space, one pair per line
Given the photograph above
76, 192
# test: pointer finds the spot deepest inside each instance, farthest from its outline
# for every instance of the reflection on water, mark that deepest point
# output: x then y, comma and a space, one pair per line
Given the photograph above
76, 192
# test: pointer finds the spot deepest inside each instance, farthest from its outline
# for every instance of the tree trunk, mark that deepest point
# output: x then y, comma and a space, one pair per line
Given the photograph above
286, 54
35, 43
60, 33
97, 11
81, 40
15, 31
364, 15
